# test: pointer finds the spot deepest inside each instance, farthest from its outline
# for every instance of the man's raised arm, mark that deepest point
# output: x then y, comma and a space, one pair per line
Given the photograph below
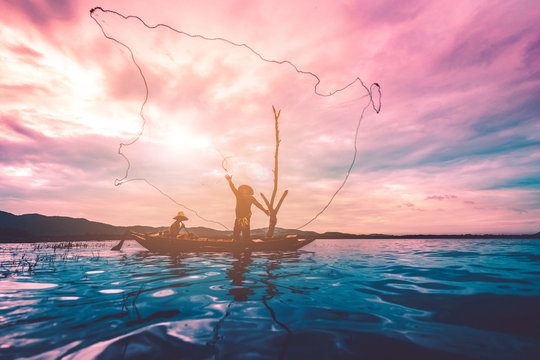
233, 188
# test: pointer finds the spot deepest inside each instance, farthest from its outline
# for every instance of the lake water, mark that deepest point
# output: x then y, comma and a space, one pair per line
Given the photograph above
334, 299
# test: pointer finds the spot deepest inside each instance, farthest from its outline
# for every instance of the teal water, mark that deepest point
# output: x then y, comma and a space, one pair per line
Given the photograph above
334, 299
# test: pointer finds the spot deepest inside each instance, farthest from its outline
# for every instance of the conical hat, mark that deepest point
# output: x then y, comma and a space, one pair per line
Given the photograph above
245, 189
180, 216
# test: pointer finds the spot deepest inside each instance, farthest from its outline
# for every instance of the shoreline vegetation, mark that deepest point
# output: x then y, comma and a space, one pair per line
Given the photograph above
32, 228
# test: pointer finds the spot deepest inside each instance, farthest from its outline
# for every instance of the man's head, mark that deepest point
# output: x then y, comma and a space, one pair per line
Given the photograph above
245, 190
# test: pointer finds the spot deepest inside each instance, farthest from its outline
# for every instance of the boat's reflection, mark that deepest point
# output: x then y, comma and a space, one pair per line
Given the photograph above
251, 280
237, 274
262, 268
248, 273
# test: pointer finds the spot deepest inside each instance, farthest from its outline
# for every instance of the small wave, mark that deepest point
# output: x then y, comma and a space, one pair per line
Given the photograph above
8, 285
453, 254
160, 341
111, 291
163, 293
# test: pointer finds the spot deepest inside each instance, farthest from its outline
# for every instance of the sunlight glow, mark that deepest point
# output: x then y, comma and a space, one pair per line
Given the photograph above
18, 171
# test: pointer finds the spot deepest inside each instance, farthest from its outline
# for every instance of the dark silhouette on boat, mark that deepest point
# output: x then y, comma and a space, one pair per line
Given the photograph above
163, 244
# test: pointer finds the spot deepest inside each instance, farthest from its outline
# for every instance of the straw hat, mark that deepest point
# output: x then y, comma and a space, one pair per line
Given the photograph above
180, 216
246, 189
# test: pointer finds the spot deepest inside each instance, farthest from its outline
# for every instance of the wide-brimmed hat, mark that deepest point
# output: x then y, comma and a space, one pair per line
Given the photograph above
180, 216
245, 189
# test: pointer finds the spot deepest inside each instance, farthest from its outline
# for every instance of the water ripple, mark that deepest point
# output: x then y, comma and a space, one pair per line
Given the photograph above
337, 299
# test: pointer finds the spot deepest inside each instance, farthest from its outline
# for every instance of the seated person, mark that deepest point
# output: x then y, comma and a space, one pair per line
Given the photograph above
177, 226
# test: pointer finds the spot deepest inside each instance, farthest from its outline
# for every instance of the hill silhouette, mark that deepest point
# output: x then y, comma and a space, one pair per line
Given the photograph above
37, 227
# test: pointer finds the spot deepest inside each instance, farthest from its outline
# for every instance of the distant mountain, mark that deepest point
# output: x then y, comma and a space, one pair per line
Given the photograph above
36, 227
40, 225
14, 235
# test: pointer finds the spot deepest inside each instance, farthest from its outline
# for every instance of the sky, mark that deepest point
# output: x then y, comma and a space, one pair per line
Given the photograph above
454, 149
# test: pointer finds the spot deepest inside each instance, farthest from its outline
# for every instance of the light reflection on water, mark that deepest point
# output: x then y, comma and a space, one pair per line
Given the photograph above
335, 299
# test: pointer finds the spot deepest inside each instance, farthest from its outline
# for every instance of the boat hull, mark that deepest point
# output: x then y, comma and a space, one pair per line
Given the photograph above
160, 244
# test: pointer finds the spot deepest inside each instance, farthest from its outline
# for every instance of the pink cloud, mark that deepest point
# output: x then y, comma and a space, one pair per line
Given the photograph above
14, 126
440, 197
25, 51
42, 13
19, 92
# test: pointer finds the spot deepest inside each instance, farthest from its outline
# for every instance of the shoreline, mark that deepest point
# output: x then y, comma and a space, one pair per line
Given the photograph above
105, 237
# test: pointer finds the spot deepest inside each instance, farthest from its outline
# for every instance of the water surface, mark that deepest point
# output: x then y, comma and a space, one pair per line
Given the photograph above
339, 299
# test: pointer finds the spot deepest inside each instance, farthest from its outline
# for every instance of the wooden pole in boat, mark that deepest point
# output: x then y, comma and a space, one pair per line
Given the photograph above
270, 204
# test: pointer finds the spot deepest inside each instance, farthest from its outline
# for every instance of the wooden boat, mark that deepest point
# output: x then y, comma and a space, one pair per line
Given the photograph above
162, 244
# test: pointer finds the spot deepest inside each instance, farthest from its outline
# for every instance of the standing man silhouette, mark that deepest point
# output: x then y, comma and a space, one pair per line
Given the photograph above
244, 199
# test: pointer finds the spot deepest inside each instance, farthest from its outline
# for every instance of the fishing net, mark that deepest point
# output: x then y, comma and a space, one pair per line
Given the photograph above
205, 110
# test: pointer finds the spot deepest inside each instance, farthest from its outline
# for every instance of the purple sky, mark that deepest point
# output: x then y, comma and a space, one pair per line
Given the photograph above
455, 148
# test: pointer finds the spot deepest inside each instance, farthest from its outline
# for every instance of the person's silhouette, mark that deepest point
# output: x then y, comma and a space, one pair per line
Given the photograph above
244, 199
